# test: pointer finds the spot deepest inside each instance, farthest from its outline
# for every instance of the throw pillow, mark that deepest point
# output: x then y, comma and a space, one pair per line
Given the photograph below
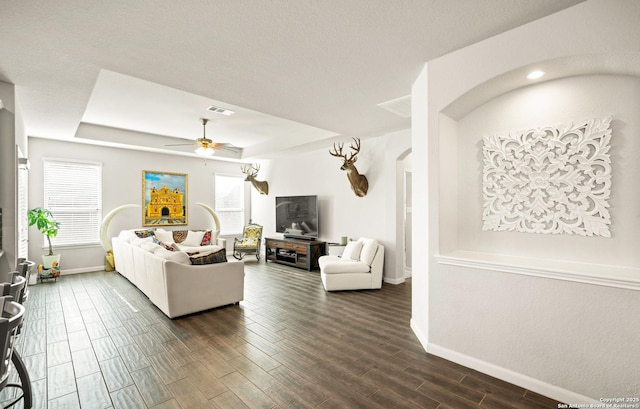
166, 246
206, 239
164, 236
352, 251
194, 238
369, 249
219, 256
144, 233
179, 235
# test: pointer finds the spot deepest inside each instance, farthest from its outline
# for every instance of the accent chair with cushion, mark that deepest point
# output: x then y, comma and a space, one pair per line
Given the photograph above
358, 268
249, 243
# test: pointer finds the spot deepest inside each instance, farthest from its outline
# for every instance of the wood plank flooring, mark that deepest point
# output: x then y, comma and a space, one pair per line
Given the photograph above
94, 341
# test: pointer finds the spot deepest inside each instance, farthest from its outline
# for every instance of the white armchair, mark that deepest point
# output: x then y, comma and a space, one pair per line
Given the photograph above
359, 268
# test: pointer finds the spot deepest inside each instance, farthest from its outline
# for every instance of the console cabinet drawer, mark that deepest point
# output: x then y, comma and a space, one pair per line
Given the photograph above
292, 246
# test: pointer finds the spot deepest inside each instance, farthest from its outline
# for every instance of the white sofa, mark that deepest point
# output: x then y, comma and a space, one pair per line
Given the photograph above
360, 267
171, 282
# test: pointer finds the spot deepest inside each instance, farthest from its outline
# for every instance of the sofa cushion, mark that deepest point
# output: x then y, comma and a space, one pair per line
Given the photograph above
138, 241
194, 238
369, 249
149, 246
177, 256
197, 249
219, 256
165, 236
127, 236
352, 251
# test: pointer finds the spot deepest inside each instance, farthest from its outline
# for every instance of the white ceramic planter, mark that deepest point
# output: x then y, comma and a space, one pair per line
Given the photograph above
47, 261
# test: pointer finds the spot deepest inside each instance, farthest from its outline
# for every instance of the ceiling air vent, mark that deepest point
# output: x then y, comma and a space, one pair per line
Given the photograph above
399, 106
221, 111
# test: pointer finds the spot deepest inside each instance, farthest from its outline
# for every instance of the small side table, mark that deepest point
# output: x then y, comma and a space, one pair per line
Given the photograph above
335, 249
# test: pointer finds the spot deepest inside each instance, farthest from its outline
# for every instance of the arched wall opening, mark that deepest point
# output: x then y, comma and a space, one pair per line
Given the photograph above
580, 88
495, 299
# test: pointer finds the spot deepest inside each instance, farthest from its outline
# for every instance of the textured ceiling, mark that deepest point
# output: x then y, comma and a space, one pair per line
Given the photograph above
295, 71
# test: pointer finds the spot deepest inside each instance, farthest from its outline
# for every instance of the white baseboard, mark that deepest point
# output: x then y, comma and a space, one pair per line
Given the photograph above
507, 375
421, 337
394, 281
69, 271
407, 272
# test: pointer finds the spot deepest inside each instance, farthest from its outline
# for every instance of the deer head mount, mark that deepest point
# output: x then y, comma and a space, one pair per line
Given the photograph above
359, 183
252, 172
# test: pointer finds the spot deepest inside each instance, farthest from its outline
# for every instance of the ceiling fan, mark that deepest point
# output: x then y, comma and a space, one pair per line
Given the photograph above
204, 145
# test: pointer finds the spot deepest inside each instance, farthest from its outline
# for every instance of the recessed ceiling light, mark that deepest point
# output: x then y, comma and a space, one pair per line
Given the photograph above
534, 75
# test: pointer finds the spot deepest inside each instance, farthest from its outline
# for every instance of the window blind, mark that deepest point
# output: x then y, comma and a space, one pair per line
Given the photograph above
23, 220
229, 203
73, 194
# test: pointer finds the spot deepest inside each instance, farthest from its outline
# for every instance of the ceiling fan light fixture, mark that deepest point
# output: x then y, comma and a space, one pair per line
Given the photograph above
202, 151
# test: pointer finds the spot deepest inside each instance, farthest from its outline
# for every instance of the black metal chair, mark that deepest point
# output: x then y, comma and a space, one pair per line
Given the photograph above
13, 284
25, 268
11, 318
16, 285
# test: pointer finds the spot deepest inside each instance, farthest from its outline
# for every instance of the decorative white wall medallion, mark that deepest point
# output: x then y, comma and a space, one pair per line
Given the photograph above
549, 180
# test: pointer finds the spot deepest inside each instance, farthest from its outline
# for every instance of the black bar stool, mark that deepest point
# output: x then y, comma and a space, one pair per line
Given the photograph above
16, 285
11, 318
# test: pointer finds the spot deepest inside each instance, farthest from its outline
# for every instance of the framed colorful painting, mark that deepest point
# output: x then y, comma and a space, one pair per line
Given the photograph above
164, 198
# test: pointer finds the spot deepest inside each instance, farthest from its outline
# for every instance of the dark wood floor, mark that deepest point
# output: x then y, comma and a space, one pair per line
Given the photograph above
94, 341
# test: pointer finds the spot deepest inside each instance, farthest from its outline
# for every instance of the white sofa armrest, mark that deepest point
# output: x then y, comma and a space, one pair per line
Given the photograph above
377, 267
345, 267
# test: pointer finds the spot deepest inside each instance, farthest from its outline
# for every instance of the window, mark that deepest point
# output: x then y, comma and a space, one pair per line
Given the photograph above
230, 206
73, 194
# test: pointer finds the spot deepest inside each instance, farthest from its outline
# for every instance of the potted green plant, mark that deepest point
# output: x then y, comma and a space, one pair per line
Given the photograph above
47, 225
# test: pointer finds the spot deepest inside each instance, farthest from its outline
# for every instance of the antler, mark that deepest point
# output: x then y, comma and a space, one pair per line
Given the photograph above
337, 151
250, 171
355, 148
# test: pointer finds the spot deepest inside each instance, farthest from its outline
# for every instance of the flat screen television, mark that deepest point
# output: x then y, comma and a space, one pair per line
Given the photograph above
297, 216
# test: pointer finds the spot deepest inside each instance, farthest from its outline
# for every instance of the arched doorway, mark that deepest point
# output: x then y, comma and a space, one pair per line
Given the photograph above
402, 264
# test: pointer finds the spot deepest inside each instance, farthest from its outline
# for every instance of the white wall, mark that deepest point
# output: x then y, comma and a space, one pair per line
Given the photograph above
122, 184
341, 212
568, 340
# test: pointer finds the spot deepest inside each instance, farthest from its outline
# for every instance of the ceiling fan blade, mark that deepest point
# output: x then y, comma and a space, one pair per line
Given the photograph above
182, 144
225, 147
